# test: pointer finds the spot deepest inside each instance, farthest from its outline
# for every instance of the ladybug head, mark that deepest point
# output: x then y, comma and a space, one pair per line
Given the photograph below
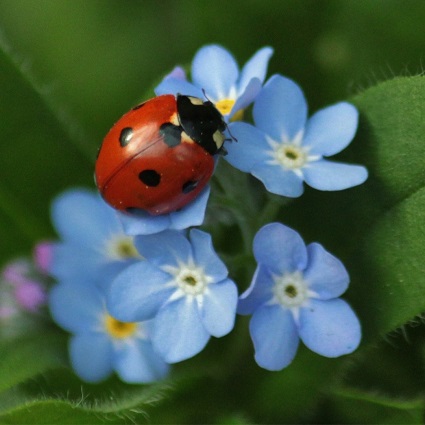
202, 122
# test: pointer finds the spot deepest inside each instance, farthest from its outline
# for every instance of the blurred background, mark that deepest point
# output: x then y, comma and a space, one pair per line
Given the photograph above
98, 57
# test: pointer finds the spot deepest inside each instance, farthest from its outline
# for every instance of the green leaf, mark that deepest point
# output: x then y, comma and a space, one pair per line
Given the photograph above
377, 229
55, 412
29, 356
389, 280
38, 155
355, 406
113, 402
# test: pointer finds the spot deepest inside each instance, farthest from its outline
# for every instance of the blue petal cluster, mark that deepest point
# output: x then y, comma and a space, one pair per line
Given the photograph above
294, 295
92, 250
181, 285
284, 149
215, 75
139, 292
100, 344
92, 239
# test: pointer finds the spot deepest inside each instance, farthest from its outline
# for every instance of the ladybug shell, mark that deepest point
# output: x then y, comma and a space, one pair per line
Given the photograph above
145, 161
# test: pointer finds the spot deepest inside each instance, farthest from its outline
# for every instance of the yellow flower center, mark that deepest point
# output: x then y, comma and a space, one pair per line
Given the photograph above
122, 248
225, 107
118, 329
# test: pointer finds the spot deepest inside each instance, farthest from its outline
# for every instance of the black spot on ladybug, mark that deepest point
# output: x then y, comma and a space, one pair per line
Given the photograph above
125, 136
150, 178
171, 134
189, 186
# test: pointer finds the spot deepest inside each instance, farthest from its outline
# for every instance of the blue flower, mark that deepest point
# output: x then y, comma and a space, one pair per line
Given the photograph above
183, 286
216, 71
284, 149
100, 344
92, 244
294, 295
143, 223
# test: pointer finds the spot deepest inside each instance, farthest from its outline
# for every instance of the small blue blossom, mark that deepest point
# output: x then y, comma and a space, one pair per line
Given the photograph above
294, 295
100, 344
284, 148
215, 71
92, 244
183, 286
143, 223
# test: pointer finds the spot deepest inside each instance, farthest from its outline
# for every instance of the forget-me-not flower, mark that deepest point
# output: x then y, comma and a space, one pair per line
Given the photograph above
294, 295
284, 149
92, 243
183, 286
142, 223
101, 344
216, 76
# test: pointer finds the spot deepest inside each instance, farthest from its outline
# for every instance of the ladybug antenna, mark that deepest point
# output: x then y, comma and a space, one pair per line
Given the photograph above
205, 95
232, 137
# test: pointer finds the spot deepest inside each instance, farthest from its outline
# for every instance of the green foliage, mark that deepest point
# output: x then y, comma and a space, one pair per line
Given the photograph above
38, 157
377, 229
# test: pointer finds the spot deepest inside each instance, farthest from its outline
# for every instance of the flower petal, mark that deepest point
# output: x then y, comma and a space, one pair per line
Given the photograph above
256, 67
192, 214
251, 146
278, 180
91, 356
218, 308
136, 362
275, 337
173, 85
329, 328
325, 274
215, 70
246, 97
81, 216
258, 293
138, 292
73, 262
177, 72
178, 332
280, 249
76, 308
328, 175
331, 129
142, 223
205, 256
280, 110
165, 248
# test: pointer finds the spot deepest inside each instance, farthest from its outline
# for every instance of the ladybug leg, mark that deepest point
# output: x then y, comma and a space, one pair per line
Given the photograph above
222, 151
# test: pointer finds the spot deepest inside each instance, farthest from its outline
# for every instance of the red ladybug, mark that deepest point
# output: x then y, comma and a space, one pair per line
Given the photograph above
159, 156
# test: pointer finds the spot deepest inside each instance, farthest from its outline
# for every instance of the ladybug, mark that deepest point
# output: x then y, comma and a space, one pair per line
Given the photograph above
160, 155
